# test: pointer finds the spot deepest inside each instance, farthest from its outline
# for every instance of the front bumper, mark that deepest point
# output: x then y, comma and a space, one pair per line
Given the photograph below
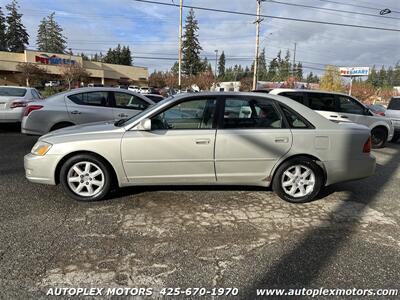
346, 170
41, 169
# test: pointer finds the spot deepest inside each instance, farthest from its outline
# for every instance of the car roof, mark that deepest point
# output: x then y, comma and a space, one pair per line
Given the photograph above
15, 87
282, 90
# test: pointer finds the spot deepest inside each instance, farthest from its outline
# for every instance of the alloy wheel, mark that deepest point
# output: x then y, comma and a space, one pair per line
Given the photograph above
86, 179
298, 181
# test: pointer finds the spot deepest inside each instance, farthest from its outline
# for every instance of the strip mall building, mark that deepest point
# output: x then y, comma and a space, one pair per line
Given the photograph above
100, 73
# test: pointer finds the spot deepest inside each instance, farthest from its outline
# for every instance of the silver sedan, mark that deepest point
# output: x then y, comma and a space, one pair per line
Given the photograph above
210, 138
80, 106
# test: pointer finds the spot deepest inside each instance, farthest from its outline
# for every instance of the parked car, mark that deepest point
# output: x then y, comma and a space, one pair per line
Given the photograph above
95, 85
154, 97
144, 90
377, 109
13, 100
341, 107
52, 84
79, 106
134, 88
281, 143
393, 112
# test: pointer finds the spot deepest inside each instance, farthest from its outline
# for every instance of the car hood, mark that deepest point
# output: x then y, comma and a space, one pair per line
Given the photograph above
94, 129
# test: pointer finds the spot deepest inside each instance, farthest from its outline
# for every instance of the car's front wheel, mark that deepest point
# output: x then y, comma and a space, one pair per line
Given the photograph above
85, 178
298, 180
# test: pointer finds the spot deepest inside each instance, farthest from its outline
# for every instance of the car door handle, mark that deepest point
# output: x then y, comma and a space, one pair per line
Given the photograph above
202, 141
281, 140
345, 117
75, 112
333, 116
123, 116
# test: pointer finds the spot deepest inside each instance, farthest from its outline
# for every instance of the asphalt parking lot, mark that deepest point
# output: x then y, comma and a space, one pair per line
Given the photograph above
196, 236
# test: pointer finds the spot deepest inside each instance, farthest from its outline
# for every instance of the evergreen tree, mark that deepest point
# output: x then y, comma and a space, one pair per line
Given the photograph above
262, 66
119, 55
126, 56
3, 39
299, 71
42, 40
56, 41
16, 36
175, 68
192, 64
221, 65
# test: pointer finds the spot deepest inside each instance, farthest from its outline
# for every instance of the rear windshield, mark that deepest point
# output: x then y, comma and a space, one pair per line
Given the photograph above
13, 92
394, 104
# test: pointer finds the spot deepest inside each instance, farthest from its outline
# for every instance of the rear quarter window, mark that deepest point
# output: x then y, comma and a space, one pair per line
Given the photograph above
394, 104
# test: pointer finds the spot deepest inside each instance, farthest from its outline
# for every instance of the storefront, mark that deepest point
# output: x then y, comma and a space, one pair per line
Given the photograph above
100, 73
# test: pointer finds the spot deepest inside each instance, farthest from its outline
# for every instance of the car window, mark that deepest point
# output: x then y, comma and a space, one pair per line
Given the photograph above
350, 106
91, 98
294, 119
321, 101
250, 113
36, 94
125, 100
155, 98
193, 114
13, 92
298, 97
394, 104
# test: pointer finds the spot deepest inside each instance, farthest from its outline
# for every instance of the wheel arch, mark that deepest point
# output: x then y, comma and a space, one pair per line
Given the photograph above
69, 123
312, 157
69, 155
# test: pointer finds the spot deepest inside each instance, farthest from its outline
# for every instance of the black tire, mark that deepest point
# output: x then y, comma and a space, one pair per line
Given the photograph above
301, 161
396, 137
61, 125
379, 137
102, 193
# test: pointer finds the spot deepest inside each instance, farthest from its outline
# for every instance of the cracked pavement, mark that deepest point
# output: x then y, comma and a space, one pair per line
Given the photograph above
196, 236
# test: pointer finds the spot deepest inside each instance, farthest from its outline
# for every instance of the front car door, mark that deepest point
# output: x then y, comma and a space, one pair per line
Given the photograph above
126, 105
250, 140
178, 150
89, 107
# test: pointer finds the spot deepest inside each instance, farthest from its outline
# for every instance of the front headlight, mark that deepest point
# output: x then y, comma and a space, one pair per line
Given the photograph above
41, 148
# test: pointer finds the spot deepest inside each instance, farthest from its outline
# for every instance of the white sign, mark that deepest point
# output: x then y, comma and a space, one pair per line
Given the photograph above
356, 71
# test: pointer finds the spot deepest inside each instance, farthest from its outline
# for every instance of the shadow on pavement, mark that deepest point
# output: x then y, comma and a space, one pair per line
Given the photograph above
10, 127
299, 267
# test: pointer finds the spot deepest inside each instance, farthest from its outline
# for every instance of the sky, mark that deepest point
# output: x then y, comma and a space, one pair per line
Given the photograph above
152, 30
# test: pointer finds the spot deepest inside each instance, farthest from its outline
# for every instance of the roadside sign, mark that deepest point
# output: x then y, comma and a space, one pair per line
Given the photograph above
354, 71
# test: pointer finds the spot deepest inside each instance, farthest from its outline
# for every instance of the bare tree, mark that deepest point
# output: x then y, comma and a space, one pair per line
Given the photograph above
30, 72
73, 72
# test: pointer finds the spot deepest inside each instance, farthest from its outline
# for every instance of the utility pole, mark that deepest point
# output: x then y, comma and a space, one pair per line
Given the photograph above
216, 63
294, 64
180, 46
258, 21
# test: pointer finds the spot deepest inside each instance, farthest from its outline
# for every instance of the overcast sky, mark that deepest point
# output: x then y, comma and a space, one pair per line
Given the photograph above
152, 30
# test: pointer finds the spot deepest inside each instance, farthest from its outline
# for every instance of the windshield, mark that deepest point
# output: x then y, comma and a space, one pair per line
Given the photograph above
138, 116
13, 92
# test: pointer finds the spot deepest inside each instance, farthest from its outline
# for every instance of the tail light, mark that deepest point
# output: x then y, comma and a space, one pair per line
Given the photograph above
18, 103
31, 108
367, 146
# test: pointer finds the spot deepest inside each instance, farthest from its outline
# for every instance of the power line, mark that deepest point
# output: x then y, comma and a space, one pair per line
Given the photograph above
355, 5
271, 17
334, 10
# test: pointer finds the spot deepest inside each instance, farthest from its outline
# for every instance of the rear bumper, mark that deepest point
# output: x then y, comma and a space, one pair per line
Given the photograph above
40, 169
346, 170
11, 115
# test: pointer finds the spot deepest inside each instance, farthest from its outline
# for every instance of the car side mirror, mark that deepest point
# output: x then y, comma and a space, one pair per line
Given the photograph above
144, 125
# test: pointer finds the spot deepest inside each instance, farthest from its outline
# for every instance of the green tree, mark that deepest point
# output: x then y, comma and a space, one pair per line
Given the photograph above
50, 37
262, 66
175, 68
126, 56
331, 80
311, 78
119, 56
299, 71
221, 65
373, 77
16, 35
192, 63
3, 28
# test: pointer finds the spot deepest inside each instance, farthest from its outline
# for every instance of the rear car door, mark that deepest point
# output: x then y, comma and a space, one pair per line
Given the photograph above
251, 138
89, 107
126, 105
325, 104
351, 109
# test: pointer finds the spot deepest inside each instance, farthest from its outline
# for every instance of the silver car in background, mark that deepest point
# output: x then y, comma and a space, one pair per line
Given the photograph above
80, 106
13, 100
206, 138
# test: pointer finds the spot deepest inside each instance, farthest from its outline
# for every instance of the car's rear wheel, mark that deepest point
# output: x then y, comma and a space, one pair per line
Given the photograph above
298, 180
85, 178
379, 137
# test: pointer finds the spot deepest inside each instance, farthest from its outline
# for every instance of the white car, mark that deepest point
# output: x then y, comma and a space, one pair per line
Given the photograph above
340, 107
393, 112
144, 90
52, 84
134, 88
13, 100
